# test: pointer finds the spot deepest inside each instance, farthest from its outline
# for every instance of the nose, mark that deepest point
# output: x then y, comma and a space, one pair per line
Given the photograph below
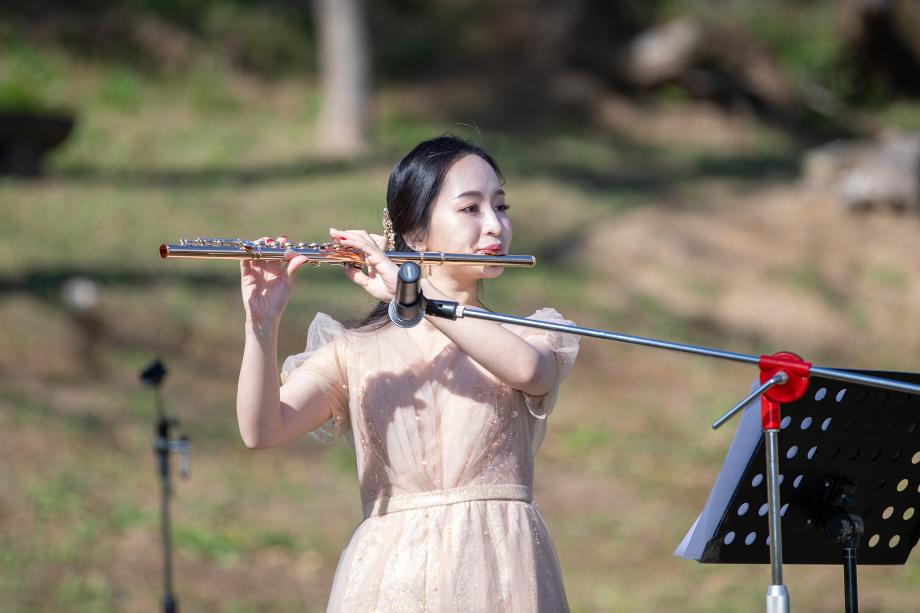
491, 226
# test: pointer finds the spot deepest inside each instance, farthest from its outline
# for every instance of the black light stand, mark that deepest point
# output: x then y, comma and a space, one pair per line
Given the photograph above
163, 445
833, 514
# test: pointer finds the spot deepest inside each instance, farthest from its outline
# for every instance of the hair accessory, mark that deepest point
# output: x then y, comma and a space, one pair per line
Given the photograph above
388, 232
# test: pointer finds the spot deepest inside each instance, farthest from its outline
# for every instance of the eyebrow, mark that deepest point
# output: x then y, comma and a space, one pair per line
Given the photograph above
498, 192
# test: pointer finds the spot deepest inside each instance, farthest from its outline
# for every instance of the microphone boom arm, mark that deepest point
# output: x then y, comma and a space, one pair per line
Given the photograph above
445, 308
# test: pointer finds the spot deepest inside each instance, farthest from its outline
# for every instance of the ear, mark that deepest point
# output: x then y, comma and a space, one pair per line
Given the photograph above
415, 240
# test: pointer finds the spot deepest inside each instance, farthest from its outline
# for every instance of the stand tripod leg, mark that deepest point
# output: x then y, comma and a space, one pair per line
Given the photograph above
777, 595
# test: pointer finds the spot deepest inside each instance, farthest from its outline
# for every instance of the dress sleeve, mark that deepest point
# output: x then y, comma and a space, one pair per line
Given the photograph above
323, 362
565, 347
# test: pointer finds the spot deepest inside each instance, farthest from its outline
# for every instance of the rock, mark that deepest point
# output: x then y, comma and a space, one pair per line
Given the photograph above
888, 175
663, 52
82, 300
823, 166
883, 172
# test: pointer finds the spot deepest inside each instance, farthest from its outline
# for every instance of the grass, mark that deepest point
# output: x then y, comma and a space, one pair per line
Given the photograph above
155, 159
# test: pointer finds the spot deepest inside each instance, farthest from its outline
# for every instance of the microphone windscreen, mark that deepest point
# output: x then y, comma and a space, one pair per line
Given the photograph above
407, 290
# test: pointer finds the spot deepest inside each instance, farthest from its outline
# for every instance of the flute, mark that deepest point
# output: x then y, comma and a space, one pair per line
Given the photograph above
327, 253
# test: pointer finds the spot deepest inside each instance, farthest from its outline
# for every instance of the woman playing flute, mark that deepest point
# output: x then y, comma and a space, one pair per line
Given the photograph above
445, 417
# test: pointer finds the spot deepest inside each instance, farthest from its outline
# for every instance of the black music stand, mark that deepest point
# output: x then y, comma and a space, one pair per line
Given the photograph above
849, 483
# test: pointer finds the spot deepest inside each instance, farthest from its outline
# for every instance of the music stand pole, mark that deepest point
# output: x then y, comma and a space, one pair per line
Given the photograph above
777, 594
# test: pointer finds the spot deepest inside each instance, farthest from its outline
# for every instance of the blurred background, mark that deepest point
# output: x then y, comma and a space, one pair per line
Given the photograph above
735, 174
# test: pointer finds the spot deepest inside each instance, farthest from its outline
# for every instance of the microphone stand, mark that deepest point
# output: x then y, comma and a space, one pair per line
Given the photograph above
163, 445
784, 377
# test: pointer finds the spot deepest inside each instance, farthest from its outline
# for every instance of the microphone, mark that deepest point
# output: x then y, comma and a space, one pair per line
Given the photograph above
406, 309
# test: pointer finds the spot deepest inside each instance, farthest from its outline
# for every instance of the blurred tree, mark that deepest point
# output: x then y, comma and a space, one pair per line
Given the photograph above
882, 39
344, 75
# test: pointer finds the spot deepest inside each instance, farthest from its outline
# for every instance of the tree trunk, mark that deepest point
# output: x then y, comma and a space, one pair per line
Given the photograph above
881, 35
344, 72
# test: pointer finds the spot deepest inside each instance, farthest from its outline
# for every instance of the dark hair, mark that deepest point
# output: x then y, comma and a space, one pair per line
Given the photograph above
413, 186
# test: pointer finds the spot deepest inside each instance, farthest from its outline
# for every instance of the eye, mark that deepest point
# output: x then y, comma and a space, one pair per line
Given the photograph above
503, 207
472, 209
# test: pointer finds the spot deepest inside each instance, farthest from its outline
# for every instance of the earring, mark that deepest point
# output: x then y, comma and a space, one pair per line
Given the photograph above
388, 234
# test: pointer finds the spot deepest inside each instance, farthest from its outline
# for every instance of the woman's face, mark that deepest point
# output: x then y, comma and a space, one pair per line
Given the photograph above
470, 215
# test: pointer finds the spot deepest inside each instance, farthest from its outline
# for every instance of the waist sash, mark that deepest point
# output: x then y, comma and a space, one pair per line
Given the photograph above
438, 498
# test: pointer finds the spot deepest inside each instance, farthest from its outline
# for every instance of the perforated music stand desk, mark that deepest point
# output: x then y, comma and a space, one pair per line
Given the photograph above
840, 443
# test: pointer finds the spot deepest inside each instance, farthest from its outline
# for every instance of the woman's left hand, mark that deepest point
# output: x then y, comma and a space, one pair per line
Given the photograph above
380, 279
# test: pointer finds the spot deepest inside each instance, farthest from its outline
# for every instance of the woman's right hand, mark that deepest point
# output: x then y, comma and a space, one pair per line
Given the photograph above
267, 285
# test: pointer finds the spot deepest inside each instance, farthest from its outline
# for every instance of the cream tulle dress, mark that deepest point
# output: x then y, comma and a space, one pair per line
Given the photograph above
445, 464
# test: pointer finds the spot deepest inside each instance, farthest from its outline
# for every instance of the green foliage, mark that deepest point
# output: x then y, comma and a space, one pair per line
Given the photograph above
279, 540
902, 115
56, 497
219, 545
342, 459
129, 515
92, 591
415, 37
188, 12
269, 39
121, 89
806, 278
806, 39
411, 39
208, 87
262, 39
30, 79
200, 15
585, 438
887, 276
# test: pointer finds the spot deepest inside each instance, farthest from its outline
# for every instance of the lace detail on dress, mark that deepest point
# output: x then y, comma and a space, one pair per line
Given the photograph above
565, 346
327, 368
